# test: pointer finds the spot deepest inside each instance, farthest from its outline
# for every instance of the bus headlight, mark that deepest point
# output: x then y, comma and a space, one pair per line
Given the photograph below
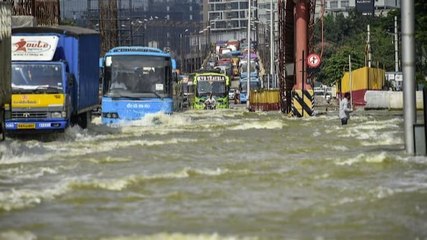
110, 115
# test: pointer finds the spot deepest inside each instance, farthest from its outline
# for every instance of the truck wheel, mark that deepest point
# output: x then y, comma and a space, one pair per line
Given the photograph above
83, 120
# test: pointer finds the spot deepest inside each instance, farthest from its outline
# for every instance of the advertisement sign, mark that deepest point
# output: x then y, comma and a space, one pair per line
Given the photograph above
365, 6
33, 48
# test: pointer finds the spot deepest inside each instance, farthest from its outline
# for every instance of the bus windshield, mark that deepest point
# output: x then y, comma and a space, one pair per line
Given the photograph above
244, 67
137, 76
254, 85
29, 76
215, 84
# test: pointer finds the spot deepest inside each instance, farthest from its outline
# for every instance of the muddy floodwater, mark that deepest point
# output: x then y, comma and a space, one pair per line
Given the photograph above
224, 174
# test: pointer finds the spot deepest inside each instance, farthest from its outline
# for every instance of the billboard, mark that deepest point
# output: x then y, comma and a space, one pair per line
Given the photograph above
365, 6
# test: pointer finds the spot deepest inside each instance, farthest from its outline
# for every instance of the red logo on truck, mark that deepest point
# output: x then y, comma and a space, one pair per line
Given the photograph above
31, 46
20, 46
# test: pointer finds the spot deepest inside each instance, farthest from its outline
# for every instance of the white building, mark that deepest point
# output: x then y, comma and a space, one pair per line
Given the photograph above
343, 6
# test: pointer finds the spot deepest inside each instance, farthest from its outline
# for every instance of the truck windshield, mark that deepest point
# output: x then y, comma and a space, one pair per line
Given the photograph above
138, 76
40, 77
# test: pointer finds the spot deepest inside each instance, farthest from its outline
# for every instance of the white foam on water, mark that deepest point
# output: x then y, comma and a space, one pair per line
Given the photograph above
123, 183
9, 156
414, 181
273, 124
413, 159
338, 147
349, 200
180, 236
17, 235
187, 172
70, 149
316, 133
22, 198
156, 119
106, 184
109, 159
364, 158
373, 133
21, 173
383, 192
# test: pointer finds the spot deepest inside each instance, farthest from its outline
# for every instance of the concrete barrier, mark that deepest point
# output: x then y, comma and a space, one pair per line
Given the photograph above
265, 100
389, 100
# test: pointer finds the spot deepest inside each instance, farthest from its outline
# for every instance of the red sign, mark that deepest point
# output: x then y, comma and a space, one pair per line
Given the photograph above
313, 60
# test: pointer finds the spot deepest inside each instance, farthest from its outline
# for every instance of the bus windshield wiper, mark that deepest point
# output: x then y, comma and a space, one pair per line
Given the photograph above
21, 90
157, 95
48, 88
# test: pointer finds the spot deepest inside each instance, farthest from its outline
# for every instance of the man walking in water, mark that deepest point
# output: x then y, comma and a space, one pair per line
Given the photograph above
345, 108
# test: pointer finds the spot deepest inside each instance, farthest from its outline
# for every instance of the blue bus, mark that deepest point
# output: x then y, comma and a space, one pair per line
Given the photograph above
136, 81
254, 84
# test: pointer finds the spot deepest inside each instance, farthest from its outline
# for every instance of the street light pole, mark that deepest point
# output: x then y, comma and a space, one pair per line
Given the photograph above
249, 55
408, 69
271, 45
396, 47
182, 43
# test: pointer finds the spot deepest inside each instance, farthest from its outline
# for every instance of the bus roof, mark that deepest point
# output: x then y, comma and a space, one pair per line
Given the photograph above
137, 50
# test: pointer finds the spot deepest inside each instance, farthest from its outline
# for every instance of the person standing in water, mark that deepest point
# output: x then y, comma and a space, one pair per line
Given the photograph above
345, 108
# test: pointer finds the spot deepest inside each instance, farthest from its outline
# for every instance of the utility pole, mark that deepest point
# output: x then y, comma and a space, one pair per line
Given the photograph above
396, 47
408, 69
271, 45
351, 80
249, 55
369, 47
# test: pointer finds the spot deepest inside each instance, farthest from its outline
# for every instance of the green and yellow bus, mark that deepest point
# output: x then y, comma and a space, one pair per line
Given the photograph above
206, 83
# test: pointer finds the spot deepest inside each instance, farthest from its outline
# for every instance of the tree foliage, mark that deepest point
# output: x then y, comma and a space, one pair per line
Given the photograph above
347, 35
421, 39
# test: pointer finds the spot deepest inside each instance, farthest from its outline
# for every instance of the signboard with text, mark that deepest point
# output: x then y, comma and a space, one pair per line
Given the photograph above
38, 48
365, 6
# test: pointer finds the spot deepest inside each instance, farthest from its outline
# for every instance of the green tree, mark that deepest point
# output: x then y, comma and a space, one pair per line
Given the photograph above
348, 35
421, 39
334, 67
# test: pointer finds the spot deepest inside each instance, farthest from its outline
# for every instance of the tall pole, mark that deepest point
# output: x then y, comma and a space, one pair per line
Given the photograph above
351, 80
396, 47
369, 47
301, 42
271, 45
181, 66
249, 55
408, 69
302, 73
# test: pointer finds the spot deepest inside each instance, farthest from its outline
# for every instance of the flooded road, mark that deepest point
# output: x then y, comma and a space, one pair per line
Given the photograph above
228, 174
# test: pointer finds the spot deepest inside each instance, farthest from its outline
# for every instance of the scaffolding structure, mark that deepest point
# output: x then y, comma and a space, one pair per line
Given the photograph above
46, 12
108, 25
